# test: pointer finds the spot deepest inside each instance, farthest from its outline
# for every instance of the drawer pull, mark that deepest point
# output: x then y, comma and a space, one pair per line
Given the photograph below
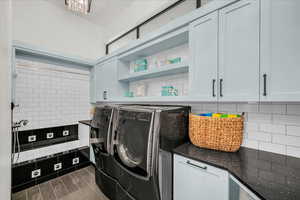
221, 87
194, 165
265, 85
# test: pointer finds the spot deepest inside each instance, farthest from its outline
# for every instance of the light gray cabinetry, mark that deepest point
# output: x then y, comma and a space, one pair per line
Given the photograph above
204, 58
92, 85
280, 50
224, 48
195, 180
239, 51
106, 81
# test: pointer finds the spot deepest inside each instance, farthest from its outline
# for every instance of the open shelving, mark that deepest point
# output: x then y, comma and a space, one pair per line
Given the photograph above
159, 73
166, 70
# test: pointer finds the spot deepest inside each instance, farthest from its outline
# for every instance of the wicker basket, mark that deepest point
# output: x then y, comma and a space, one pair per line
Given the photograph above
223, 134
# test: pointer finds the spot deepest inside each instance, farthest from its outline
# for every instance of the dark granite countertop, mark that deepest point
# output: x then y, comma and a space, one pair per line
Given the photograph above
86, 122
270, 176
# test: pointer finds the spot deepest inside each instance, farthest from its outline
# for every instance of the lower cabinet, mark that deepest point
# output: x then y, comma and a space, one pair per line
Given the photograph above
194, 180
237, 191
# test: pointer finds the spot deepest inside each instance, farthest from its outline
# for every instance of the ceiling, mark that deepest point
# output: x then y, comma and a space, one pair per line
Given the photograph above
117, 16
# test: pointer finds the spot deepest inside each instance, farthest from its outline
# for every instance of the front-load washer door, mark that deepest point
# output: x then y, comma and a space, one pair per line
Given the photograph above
133, 147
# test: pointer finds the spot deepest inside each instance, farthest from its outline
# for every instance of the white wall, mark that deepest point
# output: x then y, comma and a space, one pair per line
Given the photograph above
136, 12
5, 134
52, 27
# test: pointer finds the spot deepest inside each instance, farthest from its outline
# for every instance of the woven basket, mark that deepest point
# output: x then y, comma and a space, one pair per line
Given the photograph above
223, 134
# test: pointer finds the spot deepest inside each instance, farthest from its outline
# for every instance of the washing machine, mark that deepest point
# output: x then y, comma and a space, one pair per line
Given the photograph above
102, 127
142, 145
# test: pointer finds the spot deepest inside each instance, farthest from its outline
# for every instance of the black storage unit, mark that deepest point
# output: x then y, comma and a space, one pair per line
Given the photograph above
44, 168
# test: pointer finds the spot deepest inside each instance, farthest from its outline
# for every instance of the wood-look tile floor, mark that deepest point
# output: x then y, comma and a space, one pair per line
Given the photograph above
78, 185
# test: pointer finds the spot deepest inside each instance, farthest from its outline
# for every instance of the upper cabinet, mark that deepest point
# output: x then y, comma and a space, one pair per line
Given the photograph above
225, 54
280, 50
204, 58
239, 51
106, 81
92, 85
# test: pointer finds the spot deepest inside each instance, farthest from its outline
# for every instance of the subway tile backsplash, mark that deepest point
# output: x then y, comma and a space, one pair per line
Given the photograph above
273, 127
49, 95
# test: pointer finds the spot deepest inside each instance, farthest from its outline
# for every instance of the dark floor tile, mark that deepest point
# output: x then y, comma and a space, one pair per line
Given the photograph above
86, 176
77, 185
69, 183
91, 169
59, 188
22, 195
47, 191
34, 193
78, 180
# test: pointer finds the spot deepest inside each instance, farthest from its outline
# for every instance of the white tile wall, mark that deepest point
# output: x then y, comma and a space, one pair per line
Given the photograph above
268, 126
50, 95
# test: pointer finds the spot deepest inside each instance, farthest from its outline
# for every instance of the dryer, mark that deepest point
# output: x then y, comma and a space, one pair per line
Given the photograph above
142, 145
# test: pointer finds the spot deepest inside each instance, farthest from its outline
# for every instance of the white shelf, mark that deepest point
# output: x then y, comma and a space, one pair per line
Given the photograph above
170, 69
165, 42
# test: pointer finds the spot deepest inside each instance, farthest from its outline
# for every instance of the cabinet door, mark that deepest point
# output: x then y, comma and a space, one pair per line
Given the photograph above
194, 180
239, 51
92, 85
204, 58
98, 88
280, 50
107, 81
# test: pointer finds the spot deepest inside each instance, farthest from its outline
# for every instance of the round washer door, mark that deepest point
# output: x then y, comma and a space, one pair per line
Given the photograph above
133, 137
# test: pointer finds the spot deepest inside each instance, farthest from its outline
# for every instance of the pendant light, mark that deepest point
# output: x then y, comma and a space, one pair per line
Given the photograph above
81, 6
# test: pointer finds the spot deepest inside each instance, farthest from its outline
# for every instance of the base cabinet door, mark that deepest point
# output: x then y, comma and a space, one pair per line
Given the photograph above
280, 50
195, 180
239, 51
203, 71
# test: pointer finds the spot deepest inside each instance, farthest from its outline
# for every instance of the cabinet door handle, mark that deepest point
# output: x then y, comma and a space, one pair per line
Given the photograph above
221, 87
265, 85
194, 165
213, 87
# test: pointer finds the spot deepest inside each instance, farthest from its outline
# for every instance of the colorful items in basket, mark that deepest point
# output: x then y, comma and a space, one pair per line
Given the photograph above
216, 131
169, 91
219, 115
140, 65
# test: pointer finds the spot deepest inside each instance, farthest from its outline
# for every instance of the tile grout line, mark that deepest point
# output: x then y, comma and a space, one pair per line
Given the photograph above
88, 185
53, 189
77, 187
40, 191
